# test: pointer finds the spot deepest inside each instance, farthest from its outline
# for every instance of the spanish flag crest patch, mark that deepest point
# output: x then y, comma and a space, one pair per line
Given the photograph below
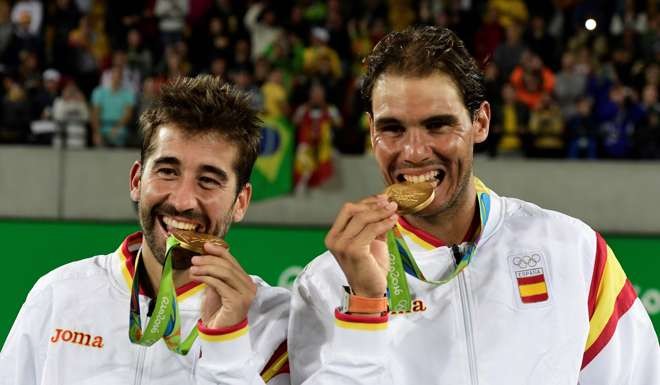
530, 277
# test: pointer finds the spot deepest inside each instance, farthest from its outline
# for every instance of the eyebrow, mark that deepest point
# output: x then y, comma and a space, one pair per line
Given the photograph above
219, 173
170, 160
167, 160
444, 119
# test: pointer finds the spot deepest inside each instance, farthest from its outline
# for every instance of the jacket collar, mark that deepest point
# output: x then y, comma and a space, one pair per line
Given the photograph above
419, 240
123, 268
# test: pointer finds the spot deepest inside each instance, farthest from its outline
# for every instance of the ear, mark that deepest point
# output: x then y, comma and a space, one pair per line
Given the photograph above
481, 123
134, 180
371, 128
242, 202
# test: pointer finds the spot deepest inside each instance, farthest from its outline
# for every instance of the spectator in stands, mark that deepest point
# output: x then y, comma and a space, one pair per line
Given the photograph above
488, 37
138, 58
29, 72
261, 21
218, 41
30, 10
244, 82
174, 66
131, 77
540, 42
570, 85
150, 90
646, 139
112, 111
5, 26
262, 68
121, 17
319, 54
22, 40
532, 80
15, 118
44, 96
90, 48
546, 129
617, 118
241, 59
287, 55
582, 131
315, 122
62, 18
172, 18
275, 95
508, 54
218, 68
340, 41
509, 124
71, 113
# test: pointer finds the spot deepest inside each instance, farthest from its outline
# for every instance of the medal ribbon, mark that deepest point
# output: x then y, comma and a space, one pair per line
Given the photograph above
402, 261
165, 321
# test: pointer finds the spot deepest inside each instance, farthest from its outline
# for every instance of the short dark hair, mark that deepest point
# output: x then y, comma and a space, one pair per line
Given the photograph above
421, 51
204, 104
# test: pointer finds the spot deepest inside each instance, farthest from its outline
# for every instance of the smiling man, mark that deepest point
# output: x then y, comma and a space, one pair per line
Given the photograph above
461, 286
205, 320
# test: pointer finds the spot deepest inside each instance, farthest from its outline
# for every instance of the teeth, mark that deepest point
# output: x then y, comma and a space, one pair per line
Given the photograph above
428, 176
179, 225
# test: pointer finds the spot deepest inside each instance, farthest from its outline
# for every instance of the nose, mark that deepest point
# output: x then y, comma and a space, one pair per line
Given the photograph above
416, 145
183, 197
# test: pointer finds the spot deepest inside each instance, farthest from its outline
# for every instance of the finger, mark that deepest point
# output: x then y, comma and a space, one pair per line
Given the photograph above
224, 290
363, 219
351, 209
223, 271
221, 252
376, 230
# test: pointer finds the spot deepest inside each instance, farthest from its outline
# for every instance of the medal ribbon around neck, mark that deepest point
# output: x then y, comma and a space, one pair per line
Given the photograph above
165, 321
402, 261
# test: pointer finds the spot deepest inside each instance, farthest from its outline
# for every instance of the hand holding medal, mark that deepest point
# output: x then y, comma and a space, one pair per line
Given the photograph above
208, 257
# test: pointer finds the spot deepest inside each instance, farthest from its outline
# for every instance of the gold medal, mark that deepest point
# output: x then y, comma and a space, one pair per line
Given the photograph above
190, 244
411, 197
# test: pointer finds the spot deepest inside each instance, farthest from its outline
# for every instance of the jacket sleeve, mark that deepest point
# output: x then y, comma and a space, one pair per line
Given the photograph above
334, 349
227, 358
21, 361
621, 347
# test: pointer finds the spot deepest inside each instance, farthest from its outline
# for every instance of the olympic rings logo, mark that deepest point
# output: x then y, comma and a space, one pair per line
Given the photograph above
527, 261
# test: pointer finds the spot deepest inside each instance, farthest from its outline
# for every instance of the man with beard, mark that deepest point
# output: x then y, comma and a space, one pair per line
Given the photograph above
207, 321
442, 281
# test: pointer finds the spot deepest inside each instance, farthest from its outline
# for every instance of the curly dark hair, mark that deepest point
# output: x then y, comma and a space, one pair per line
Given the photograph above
421, 51
204, 104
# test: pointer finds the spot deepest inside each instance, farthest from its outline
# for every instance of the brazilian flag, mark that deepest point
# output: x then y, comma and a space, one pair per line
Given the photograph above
273, 170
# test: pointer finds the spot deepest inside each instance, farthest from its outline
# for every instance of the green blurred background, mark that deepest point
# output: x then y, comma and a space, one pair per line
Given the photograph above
32, 248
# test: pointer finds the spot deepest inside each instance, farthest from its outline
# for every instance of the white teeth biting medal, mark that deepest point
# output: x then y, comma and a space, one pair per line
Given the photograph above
411, 197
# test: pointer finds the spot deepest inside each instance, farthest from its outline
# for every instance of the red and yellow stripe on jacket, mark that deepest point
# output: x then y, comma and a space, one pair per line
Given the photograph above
610, 296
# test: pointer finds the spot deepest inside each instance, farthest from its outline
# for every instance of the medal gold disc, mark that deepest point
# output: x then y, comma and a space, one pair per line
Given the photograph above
194, 241
411, 197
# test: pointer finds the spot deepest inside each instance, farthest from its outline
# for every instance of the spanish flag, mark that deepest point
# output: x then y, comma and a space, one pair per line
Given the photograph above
533, 288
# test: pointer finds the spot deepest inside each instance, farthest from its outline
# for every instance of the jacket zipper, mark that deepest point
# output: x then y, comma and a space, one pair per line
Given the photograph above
139, 369
467, 322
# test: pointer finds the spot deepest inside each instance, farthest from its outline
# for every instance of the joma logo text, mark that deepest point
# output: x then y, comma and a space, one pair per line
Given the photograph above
76, 337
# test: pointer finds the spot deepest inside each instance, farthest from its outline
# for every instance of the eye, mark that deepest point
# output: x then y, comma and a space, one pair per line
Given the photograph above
166, 172
436, 126
392, 129
209, 183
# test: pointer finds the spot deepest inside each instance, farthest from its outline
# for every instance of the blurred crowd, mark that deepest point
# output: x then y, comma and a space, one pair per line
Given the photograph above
79, 72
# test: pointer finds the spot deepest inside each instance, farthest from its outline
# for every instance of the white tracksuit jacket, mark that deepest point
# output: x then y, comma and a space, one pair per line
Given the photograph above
543, 301
73, 329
